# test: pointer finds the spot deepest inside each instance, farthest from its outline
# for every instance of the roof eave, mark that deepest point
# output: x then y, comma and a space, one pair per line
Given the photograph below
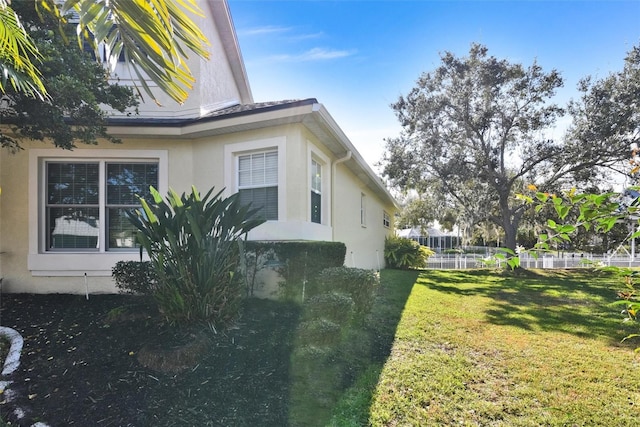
356, 163
313, 115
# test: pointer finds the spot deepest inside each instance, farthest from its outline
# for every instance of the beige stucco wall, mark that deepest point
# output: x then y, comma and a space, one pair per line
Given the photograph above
19, 203
365, 243
200, 162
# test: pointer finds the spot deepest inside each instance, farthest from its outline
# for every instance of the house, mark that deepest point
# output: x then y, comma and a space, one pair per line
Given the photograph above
434, 238
62, 222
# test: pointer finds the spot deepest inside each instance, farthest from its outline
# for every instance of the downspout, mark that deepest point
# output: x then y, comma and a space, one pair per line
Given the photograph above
333, 191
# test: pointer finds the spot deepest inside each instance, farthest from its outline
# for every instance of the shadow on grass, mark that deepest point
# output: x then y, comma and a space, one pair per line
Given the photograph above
378, 333
576, 302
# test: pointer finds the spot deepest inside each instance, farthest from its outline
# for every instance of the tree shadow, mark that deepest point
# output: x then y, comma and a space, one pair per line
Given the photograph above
383, 321
576, 302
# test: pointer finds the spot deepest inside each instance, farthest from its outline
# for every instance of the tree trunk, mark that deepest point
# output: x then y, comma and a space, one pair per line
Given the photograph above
510, 234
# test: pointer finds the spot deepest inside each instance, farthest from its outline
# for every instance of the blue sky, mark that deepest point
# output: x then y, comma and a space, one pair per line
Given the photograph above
357, 57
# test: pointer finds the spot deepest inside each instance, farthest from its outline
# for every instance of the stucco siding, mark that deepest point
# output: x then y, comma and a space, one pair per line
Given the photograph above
365, 242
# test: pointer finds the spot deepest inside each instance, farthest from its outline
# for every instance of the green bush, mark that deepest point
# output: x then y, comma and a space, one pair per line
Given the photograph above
403, 253
193, 244
319, 332
358, 283
333, 306
135, 277
453, 251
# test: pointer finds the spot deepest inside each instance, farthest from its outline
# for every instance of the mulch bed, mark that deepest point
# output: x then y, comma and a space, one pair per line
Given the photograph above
83, 364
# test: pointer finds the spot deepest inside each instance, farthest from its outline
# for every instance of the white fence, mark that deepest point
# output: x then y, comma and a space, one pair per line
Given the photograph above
464, 261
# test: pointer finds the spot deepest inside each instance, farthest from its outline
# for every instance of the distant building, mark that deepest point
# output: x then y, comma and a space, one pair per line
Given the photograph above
435, 239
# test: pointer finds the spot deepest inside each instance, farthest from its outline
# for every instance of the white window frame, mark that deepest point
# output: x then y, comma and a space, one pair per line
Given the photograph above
71, 262
315, 155
233, 151
264, 184
386, 219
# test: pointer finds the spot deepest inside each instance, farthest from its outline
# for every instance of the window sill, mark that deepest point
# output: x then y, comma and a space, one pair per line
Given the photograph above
77, 264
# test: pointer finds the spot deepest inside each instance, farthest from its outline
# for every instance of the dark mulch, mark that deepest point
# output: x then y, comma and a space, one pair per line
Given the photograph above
80, 364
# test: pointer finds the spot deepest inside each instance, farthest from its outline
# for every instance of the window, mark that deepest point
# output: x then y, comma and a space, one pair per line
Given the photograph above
363, 209
258, 182
386, 219
86, 203
316, 192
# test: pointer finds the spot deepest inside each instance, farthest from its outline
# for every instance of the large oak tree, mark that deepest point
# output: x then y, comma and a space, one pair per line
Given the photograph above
477, 125
606, 118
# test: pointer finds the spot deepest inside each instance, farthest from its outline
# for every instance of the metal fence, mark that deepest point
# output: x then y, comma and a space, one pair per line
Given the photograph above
464, 261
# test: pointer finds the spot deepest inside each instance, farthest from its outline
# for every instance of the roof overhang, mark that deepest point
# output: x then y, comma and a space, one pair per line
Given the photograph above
309, 113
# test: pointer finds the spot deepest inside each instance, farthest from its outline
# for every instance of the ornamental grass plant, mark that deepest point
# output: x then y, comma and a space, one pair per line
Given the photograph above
193, 242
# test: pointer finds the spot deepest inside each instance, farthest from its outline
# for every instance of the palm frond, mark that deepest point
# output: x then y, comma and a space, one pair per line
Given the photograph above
151, 33
17, 56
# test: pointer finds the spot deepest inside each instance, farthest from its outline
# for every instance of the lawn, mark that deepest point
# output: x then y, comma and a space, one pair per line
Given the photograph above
438, 348
477, 348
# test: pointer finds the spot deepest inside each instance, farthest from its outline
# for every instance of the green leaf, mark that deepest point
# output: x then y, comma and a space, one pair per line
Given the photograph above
561, 210
528, 200
155, 194
151, 217
565, 228
513, 262
543, 197
507, 251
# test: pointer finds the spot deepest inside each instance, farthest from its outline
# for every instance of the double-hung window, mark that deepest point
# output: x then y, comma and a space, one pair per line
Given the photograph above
386, 219
86, 203
316, 192
258, 182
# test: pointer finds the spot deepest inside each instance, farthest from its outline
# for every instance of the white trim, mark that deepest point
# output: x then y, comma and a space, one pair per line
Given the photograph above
313, 153
232, 151
74, 263
291, 230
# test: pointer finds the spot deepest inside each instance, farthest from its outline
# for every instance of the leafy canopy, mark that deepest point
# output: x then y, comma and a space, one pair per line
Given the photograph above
78, 89
474, 125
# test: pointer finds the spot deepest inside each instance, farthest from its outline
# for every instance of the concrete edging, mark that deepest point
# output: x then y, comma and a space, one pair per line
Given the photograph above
11, 363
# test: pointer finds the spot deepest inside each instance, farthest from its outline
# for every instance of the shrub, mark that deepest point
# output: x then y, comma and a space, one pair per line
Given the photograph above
333, 306
319, 332
358, 283
135, 277
193, 244
403, 253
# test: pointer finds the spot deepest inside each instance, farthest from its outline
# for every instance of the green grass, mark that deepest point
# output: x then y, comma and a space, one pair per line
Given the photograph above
482, 348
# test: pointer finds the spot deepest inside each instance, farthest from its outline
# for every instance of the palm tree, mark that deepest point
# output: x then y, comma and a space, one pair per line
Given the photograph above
17, 53
154, 36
